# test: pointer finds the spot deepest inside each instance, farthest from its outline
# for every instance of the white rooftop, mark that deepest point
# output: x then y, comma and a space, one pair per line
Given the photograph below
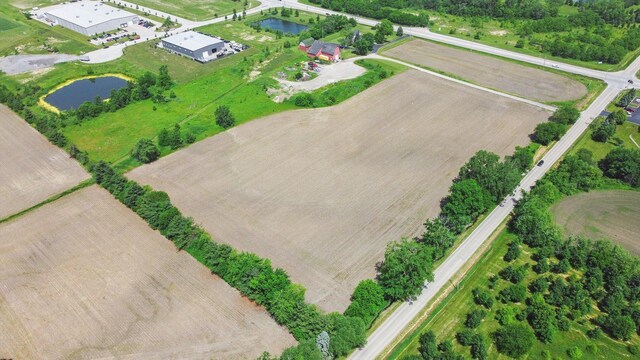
87, 13
192, 40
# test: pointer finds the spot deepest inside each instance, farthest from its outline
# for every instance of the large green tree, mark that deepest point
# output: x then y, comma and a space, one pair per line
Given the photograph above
406, 266
514, 340
224, 117
145, 151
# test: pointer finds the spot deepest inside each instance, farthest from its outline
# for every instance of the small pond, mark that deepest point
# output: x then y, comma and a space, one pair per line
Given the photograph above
287, 27
73, 95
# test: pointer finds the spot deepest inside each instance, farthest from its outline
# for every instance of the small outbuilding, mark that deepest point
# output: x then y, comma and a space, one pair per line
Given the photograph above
321, 50
195, 45
89, 17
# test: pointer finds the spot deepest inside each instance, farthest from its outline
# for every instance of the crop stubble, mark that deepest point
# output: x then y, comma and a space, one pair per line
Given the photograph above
490, 72
31, 168
321, 192
611, 214
84, 277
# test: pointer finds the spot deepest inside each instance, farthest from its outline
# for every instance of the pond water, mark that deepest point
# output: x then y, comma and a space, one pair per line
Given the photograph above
285, 26
79, 91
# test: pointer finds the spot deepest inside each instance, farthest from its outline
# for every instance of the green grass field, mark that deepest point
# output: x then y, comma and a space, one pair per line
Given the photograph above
6, 24
238, 81
22, 36
449, 317
609, 214
600, 150
196, 9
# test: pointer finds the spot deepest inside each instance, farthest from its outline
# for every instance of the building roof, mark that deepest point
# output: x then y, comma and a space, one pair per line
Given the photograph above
307, 42
325, 48
87, 13
192, 40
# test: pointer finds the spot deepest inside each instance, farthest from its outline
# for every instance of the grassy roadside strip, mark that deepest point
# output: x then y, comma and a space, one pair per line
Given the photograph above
392, 307
402, 342
629, 57
53, 198
594, 86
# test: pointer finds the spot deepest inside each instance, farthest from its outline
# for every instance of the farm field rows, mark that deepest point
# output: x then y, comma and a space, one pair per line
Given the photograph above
610, 214
490, 72
84, 277
32, 168
320, 192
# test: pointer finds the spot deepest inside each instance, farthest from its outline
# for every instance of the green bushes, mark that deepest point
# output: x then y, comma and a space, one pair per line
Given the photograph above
406, 266
367, 301
254, 277
622, 164
514, 340
145, 151
343, 90
547, 132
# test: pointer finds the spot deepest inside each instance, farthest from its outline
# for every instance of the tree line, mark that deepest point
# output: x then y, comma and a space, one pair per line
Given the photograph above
377, 9
573, 280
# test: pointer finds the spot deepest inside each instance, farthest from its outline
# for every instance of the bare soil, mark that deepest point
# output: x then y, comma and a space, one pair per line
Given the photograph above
85, 278
490, 72
321, 192
32, 169
611, 214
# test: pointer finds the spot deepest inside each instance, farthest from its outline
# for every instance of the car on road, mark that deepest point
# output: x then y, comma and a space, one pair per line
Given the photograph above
555, 66
540, 163
630, 81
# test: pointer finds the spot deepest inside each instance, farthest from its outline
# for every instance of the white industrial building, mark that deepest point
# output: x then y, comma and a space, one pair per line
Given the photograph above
195, 45
89, 17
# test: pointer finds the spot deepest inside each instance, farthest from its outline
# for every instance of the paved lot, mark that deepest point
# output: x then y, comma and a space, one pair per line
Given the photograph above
328, 74
320, 192
18, 64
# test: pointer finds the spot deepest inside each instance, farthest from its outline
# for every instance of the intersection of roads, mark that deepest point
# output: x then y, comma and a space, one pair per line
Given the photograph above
383, 337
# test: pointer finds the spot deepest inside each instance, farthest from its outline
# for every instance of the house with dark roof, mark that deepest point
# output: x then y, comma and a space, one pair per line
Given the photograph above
320, 49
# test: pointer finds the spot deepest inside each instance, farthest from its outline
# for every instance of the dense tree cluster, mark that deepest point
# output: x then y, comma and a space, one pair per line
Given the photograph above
622, 164
49, 125
587, 34
557, 125
575, 279
378, 9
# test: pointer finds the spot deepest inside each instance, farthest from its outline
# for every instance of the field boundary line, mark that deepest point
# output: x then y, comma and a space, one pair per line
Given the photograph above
464, 82
83, 184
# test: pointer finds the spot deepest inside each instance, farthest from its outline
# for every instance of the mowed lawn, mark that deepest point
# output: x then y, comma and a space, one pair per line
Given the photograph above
196, 9
86, 278
19, 35
608, 214
491, 72
321, 192
624, 132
